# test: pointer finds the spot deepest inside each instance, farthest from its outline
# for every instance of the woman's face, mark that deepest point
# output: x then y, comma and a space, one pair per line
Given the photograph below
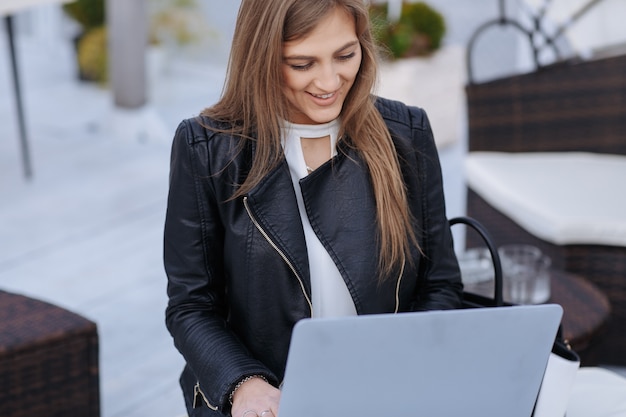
320, 69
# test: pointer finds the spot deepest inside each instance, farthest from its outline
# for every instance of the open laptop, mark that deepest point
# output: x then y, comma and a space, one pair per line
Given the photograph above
484, 362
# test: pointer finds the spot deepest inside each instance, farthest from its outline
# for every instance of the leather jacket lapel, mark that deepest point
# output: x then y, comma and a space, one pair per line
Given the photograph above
273, 205
342, 210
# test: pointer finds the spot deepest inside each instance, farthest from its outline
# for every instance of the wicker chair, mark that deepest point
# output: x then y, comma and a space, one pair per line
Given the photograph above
569, 106
48, 360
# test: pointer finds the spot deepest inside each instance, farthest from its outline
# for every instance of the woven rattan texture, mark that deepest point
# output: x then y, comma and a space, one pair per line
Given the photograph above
48, 360
604, 266
569, 106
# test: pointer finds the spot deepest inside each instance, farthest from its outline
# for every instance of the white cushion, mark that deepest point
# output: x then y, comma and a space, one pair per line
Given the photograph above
560, 197
597, 392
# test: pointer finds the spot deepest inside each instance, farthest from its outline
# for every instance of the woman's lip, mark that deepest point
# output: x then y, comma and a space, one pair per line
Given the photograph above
323, 96
324, 99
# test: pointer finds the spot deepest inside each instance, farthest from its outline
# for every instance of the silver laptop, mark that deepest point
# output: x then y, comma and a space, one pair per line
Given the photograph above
485, 362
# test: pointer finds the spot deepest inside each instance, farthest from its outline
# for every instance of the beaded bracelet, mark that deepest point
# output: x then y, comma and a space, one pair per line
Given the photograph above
240, 383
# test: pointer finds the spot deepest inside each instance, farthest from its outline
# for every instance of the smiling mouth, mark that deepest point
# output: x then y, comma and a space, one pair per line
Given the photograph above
323, 96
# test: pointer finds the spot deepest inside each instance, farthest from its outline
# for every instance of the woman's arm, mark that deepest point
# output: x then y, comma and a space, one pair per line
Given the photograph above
440, 285
193, 241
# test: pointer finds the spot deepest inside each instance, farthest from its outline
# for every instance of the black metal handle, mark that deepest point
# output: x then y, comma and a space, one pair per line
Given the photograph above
493, 251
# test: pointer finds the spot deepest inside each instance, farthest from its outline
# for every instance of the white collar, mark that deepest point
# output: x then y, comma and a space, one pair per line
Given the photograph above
311, 131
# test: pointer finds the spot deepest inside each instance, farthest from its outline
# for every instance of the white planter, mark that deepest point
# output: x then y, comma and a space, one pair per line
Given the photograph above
436, 84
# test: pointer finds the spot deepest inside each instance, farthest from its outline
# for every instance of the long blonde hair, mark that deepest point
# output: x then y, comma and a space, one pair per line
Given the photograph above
254, 107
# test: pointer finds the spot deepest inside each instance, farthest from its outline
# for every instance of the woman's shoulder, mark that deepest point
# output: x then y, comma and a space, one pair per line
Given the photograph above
201, 128
409, 126
201, 136
207, 142
398, 113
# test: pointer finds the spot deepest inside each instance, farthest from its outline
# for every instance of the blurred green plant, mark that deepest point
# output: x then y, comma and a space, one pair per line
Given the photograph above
92, 55
177, 22
91, 41
87, 13
418, 32
173, 22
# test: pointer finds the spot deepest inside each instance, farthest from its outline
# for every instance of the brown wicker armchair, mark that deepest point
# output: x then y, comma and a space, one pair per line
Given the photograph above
569, 106
48, 360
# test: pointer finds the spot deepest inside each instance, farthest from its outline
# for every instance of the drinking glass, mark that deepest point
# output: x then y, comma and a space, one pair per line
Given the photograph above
520, 267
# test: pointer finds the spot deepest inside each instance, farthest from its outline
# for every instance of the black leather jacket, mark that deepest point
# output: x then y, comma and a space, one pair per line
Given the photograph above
238, 274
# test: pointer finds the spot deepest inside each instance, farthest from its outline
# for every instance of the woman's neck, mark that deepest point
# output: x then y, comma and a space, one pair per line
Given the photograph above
316, 151
317, 141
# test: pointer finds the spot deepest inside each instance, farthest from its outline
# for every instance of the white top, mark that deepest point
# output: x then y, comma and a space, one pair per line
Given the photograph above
560, 197
330, 295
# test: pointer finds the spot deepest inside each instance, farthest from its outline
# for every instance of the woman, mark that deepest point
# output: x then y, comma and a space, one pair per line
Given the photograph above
299, 194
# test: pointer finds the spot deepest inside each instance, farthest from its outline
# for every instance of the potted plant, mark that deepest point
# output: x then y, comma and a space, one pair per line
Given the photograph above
93, 59
418, 69
91, 41
87, 13
418, 32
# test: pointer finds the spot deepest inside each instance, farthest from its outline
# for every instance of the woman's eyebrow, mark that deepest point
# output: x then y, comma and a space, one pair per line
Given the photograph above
306, 57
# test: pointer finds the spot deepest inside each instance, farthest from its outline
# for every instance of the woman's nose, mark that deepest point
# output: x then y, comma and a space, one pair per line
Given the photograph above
328, 79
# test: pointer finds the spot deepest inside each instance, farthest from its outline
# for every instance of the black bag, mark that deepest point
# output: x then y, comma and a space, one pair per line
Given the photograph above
563, 363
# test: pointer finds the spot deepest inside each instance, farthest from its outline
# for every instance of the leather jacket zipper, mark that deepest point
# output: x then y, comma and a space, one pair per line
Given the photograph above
280, 252
197, 394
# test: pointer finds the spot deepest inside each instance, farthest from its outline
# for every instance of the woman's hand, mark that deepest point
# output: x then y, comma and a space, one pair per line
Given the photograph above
255, 398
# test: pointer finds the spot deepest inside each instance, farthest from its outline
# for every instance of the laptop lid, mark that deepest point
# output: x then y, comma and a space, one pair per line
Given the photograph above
486, 362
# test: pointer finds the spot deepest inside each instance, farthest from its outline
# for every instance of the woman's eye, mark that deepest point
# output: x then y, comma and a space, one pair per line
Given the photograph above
301, 67
347, 56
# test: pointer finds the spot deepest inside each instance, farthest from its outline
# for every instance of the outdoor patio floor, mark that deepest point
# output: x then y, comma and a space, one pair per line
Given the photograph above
85, 232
